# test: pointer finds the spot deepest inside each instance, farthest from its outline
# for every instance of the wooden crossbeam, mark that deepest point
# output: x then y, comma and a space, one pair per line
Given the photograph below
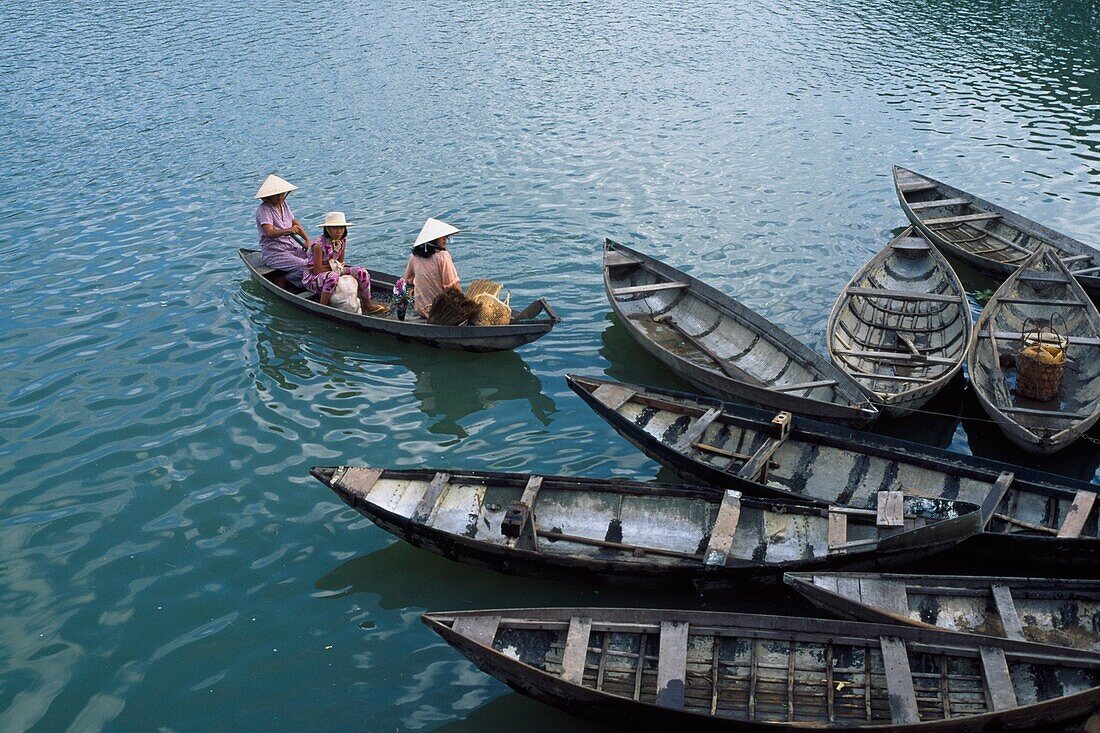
1006, 609
998, 681
1036, 301
1086, 271
480, 629
528, 535
916, 359
432, 495
996, 493
696, 430
576, 650
899, 681
756, 468
805, 385
357, 480
1011, 335
937, 203
916, 185
1045, 413
721, 534
616, 258
904, 295
1077, 515
891, 509
838, 528
672, 664
653, 287
945, 220
613, 396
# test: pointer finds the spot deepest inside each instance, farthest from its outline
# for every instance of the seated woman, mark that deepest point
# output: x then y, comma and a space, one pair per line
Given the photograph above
431, 270
278, 227
329, 249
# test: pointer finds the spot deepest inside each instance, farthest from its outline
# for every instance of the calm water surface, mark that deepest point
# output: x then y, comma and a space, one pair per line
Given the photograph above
166, 563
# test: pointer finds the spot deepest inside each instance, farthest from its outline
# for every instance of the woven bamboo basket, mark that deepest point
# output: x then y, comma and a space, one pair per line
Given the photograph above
491, 311
1042, 361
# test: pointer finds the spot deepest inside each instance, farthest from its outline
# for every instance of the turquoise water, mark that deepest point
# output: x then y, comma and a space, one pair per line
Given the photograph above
166, 563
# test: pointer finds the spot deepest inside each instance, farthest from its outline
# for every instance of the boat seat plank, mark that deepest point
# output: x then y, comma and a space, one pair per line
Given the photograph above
528, 534
1045, 413
1078, 512
725, 524
904, 294
899, 681
896, 356
672, 664
1016, 335
653, 287
1075, 258
937, 203
1006, 609
888, 595
480, 629
805, 385
358, 480
997, 678
576, 649
911, 244
1086, 271
613, 396
838, 529
427, 503
916, 185
891, 377
996, 494
891, 509
696, 430
1035, 301
946, 220
756, 468
1035, 276
617, 258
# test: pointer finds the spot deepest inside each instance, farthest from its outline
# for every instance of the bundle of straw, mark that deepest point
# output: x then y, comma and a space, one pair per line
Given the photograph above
477, 287
451, 308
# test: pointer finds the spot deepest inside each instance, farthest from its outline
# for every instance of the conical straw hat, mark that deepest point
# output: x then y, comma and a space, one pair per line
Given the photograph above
432, 230
274, 185
336, 219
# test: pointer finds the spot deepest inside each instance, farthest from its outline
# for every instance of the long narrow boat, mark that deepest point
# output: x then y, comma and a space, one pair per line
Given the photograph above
902, 325
702, 671
991, 239
1061, 612
526, 325
1042, 522
1041, 293
722, 347
582, 529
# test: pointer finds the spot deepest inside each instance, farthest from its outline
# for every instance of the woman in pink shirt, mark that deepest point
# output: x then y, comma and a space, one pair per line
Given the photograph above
431, 270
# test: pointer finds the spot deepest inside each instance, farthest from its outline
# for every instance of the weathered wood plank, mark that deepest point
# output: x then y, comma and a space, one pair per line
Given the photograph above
944, 220
888, 595
916, 185
899, 681
721, 535
1006, 608
528, 536
1016, 335
672, 664
652, 287
1036, 301
998, 681
756, 468
576, 649
357, 480
937, 203
996, 494
426, 505
616, 258
838, 529
904, 295
613, 396
891, 509
1077, 515
481, 629
1045, 413
907, 357
696, 430
804, 385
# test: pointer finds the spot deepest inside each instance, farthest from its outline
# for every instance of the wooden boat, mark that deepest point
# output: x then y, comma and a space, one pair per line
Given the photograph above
722, 347
991, 239
902, 325
1060, 612
639, 533
525, 327
701, 671
1041, 293
1036, 520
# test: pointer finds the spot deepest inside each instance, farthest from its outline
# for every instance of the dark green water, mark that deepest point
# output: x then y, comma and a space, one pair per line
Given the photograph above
166, 563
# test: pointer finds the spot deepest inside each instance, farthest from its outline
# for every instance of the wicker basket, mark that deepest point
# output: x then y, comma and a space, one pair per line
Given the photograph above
1042, 361
490, 311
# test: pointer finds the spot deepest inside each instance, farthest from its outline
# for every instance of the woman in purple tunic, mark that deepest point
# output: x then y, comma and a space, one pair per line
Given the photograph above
277, 226
327, 264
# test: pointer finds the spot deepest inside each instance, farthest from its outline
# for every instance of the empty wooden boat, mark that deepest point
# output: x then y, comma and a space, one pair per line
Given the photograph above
991, 239
639, 533
526, 325
1041, 294
902, 325
721, 346
1036, 520
695, 670
1060, 612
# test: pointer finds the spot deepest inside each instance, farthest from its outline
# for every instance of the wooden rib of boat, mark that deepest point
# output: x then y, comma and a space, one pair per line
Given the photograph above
722, 347
902, 325
525, 327
1059, 612
1035, 520
991, 239
1039, 292
639, 533
696, 670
